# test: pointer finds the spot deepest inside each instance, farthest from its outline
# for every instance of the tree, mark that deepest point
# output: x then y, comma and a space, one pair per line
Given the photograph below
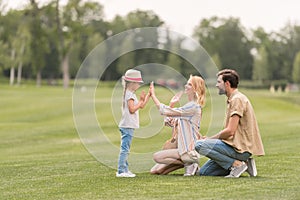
296, 68
290, 39
11, 40
22, 42
216, 59
39, 44
3, 55
261, 65
125, 61
281, 48
227, 39
262, 69
136, 19
271, 55
77, 15
116, 69
206, 33
175, 61
141, 19
277, 51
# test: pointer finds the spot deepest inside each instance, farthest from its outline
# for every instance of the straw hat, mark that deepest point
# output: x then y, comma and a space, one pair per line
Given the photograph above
133, 75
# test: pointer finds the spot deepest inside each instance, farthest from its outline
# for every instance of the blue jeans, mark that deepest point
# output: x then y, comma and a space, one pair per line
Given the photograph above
126, 138
221, 157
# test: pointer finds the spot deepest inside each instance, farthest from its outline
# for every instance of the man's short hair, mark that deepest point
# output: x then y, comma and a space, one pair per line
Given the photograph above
230, 75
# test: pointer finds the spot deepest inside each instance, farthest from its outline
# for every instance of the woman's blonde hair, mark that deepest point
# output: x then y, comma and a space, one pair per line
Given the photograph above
198, 85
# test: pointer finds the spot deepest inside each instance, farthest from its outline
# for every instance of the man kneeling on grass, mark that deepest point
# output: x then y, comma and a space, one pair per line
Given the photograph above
231, 149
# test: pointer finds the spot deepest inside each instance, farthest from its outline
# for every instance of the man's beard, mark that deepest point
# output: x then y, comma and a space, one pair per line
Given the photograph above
222, 91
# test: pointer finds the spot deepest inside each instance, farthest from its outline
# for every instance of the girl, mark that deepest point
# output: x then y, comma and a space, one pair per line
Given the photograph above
130, 117
187, 123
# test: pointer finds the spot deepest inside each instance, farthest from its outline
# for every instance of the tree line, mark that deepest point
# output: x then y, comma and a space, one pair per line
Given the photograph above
49, 42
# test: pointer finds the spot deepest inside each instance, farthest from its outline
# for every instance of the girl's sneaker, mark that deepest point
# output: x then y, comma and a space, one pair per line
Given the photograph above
130, 173
125, 174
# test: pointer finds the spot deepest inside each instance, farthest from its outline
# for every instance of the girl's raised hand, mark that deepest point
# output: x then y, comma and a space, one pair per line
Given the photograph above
142, 96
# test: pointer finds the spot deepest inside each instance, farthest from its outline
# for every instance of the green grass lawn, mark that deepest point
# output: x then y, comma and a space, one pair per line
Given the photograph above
42, 156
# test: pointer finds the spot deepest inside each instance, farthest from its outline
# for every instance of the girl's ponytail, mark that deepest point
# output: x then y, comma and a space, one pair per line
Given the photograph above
124, 84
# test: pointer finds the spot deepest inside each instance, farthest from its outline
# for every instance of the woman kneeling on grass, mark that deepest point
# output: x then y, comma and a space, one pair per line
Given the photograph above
187, 124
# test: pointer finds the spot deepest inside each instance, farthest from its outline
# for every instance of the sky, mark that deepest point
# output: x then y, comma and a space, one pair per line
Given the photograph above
184, 15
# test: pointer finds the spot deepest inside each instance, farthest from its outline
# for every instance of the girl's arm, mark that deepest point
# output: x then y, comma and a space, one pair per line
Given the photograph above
146, 100
133, 108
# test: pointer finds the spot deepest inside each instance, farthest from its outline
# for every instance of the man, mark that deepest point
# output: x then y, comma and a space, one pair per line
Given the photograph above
230, 149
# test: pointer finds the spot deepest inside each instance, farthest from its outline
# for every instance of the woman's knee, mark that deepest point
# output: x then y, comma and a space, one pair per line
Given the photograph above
190, 157
157, 156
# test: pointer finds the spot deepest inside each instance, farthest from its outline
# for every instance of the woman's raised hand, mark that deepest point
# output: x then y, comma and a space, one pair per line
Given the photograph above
152, 93
151, 89
176, 98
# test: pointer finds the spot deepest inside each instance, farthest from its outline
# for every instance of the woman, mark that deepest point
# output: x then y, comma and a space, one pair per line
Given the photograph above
186, 120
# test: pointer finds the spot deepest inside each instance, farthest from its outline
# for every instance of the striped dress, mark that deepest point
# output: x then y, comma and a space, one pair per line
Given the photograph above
187, 119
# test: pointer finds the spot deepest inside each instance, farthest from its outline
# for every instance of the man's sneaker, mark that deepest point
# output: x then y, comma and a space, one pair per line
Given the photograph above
125, 174
190, 169
237, 171
251, 167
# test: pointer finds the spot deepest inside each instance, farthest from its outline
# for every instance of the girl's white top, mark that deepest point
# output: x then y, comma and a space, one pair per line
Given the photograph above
129, 120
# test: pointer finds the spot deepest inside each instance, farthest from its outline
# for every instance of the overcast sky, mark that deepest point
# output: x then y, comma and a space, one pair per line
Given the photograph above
183, 15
